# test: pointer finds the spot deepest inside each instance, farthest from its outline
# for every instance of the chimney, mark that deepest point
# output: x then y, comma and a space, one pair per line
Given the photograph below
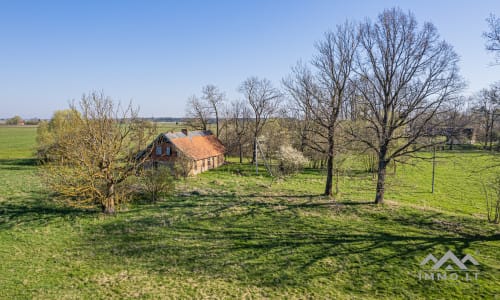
185, 131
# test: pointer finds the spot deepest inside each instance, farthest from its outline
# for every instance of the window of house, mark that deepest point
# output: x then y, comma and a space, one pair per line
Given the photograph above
209, 162
158, 150
168, 151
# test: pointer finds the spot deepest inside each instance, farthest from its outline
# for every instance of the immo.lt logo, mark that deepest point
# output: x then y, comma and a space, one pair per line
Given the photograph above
448, 267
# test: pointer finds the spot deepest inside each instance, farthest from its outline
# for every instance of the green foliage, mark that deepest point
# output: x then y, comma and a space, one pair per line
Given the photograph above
52, 135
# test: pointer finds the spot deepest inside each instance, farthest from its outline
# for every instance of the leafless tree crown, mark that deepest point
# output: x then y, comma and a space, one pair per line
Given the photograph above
493, 36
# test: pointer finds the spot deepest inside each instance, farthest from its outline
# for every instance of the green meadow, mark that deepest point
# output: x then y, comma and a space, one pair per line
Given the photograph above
229, 233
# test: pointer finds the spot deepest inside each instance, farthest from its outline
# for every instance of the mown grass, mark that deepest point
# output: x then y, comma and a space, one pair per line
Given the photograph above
231, 234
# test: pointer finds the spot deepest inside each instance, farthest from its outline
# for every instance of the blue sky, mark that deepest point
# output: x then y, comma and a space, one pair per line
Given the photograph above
158, 53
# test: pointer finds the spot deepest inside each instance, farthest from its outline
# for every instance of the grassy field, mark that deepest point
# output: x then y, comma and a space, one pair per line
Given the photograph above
17, 142
229, 233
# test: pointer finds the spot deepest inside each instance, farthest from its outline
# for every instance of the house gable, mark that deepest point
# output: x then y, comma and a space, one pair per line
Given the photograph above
163, 149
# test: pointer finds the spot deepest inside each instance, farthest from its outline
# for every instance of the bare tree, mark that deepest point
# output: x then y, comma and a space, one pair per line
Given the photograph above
406, 74
263, 98
197, 113
214, 99
488, 110
321, 96
493, 36
93, 162
239, 119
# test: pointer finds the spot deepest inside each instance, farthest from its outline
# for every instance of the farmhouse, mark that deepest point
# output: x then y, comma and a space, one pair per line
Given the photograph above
201, 149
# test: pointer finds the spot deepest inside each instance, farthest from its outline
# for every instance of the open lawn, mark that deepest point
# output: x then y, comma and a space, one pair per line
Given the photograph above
231, 234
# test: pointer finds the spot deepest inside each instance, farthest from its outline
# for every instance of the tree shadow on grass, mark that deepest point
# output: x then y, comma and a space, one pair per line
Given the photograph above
18, 163
254, 243
208, 206
35, 210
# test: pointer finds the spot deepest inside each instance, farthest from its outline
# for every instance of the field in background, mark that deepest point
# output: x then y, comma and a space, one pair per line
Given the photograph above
230, 233
17, 141
177, 126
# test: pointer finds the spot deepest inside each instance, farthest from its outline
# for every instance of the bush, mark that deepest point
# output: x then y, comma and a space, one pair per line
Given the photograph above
290, 161
157, 182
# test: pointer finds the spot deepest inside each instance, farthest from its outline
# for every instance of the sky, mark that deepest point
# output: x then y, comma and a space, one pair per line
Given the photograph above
159, 53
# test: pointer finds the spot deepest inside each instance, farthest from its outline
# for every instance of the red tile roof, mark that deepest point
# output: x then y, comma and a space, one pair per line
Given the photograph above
196, 144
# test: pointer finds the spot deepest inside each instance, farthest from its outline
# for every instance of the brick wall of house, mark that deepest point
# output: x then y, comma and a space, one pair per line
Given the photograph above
205, 164
164, 155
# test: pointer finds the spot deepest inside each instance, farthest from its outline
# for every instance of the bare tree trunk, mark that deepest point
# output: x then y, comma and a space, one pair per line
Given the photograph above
240, 150
216, 121
382, 165
491, 133
485, 147
329, 176
487, 131
254, 152
379, 197
329, 168
108, 207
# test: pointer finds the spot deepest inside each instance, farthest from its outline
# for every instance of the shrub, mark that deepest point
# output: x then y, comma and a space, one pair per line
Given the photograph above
290, 161
157, 182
